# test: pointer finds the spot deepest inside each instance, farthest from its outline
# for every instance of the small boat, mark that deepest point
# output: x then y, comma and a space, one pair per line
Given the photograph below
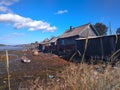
24, 59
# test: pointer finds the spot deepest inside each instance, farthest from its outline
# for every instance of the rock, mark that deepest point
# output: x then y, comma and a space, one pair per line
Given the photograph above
24, 59
51, 76
99, 69
35, 52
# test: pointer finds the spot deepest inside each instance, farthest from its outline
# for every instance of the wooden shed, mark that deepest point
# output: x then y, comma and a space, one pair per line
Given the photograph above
100, 46
53, 41
43, 46
53, 45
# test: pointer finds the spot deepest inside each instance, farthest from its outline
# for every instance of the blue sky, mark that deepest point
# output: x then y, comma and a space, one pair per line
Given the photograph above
26, 21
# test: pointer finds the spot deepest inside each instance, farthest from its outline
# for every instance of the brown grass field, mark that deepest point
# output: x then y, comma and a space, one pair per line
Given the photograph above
49, 72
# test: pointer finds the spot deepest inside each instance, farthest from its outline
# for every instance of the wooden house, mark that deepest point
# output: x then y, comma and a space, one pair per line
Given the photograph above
43, 46
67, 41
53, 41
53, 45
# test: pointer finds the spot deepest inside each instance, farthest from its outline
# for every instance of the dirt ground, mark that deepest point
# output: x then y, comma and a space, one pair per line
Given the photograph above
41, 66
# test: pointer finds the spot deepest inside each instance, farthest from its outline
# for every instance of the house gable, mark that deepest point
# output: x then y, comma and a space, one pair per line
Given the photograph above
81, 31
88, 31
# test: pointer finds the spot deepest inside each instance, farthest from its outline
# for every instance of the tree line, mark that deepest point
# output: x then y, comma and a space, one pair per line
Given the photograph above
102, 29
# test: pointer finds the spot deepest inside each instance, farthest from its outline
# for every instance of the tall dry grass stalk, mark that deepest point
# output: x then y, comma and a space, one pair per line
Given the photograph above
116, 54
86, 44
7, 67
116, 39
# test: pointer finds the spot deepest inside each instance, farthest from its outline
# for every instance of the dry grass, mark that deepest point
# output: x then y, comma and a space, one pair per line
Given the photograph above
35, 75
81, 77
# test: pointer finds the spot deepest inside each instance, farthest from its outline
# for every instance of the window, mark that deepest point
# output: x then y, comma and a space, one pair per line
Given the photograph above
63, 42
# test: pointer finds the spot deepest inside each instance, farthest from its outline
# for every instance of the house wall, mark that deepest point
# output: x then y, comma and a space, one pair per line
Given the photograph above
67, 41
66, 46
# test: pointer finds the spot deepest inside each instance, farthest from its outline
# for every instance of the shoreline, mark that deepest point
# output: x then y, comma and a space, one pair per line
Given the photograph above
12, 48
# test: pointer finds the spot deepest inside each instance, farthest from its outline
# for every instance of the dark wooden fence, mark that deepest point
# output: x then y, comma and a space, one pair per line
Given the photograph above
102, 46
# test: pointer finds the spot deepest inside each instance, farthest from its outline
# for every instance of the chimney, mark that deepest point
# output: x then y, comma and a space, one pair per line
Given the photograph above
70, 28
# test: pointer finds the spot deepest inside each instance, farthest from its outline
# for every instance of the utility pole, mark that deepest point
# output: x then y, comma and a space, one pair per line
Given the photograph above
110, 28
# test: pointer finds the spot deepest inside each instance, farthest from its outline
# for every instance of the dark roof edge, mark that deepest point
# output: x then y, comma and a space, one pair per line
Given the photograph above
114, 35
79, 26
68, 37
95, 31
82, 25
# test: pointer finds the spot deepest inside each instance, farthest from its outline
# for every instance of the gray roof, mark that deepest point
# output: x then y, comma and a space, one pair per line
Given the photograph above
75, 31
46, 41
53, 39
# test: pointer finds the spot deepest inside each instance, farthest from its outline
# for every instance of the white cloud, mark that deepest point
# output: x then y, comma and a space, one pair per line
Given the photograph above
4, 4
4, 9
7, 2
61, 11
22, 22
12, 35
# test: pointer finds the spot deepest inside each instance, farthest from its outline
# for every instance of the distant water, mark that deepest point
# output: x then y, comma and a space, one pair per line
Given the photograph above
10, 47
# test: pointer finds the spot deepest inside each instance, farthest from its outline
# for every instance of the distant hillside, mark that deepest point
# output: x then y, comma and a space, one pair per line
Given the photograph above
2, 44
